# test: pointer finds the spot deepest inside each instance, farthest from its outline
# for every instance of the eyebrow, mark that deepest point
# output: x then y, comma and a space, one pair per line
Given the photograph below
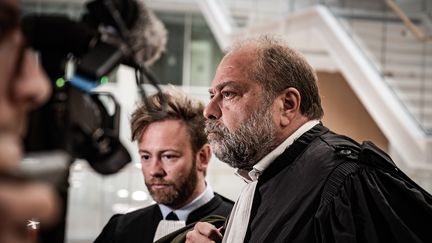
219, 86
222, 85
161, 151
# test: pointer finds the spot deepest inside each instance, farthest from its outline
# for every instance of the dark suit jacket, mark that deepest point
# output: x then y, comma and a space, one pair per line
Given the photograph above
140, 226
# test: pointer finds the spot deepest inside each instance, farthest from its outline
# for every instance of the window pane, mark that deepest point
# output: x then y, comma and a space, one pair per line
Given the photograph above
205, 53
169, 68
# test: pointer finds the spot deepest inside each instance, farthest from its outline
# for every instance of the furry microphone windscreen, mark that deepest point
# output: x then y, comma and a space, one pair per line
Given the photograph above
148, 36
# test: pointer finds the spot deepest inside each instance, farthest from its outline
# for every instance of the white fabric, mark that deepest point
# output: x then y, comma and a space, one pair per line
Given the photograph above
239, 218
167, 226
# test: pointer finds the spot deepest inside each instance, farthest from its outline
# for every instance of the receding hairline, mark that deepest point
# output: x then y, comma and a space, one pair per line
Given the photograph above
256, 43
180, 121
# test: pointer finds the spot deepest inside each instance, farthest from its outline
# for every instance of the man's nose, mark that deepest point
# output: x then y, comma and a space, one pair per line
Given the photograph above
156, 169
212, 110
32, 87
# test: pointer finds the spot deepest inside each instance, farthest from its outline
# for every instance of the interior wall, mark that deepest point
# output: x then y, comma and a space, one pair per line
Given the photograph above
344, 113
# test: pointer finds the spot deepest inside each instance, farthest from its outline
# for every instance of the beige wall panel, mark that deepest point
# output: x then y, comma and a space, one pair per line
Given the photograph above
344, 113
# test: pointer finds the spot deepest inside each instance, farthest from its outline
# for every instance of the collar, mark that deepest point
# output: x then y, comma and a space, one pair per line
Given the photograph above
183, 213
258, 168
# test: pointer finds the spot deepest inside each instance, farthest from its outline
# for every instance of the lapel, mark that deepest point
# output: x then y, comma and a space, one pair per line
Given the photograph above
204, 210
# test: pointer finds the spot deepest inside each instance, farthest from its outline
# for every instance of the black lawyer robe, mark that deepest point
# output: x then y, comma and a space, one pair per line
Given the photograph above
369, 205
140, 226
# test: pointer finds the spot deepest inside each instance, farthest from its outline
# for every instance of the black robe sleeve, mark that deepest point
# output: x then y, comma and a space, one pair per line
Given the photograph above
108, 232
372, 205
138, 226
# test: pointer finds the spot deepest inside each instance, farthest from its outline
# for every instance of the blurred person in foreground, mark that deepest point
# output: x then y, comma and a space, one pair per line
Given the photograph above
23, 86
174, 155
305, 183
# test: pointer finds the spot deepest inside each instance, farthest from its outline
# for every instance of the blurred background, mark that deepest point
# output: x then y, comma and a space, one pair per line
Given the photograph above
373, 59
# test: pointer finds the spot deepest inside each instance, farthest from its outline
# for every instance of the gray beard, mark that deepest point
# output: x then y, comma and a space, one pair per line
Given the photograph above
247, 144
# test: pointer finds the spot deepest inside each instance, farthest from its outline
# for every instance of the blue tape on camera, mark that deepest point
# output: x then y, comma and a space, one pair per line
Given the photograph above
83, 83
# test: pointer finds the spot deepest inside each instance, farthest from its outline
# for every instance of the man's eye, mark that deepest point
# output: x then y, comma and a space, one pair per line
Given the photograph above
169, 157
227, 94
145, 157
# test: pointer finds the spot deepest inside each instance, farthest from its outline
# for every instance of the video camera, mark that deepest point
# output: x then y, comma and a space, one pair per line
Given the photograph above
76, 119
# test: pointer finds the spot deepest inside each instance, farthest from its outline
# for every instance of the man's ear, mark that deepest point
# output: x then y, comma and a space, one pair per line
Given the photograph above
203, 157
290, 99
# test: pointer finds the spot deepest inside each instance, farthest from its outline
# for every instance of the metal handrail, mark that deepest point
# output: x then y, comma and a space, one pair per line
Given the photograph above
418, 33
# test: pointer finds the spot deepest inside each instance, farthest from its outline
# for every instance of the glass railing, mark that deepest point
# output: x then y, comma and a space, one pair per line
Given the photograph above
392, 44
250, 12
394, 37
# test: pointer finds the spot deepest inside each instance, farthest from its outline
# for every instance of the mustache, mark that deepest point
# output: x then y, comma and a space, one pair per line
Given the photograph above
153, 181
212, 126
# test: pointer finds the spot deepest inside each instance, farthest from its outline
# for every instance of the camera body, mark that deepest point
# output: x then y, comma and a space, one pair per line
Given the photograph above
75, 119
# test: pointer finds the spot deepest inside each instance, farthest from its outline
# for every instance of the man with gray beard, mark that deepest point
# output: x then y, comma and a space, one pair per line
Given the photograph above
305, 183
174, 159
235, 147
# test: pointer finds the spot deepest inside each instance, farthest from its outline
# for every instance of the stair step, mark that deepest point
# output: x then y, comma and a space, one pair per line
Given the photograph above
415, 99
410, 84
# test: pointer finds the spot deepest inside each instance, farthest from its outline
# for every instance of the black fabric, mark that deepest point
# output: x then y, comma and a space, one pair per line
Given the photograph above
140, 226
172, 216
324, 188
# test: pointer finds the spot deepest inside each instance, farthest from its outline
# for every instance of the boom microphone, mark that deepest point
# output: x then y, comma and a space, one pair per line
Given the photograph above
98, 40
142, 29
148, 36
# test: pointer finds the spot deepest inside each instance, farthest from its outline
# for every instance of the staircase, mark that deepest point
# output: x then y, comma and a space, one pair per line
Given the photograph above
403, 61
382, 61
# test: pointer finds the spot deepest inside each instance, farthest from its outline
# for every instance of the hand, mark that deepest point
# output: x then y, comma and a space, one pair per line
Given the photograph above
204, 232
